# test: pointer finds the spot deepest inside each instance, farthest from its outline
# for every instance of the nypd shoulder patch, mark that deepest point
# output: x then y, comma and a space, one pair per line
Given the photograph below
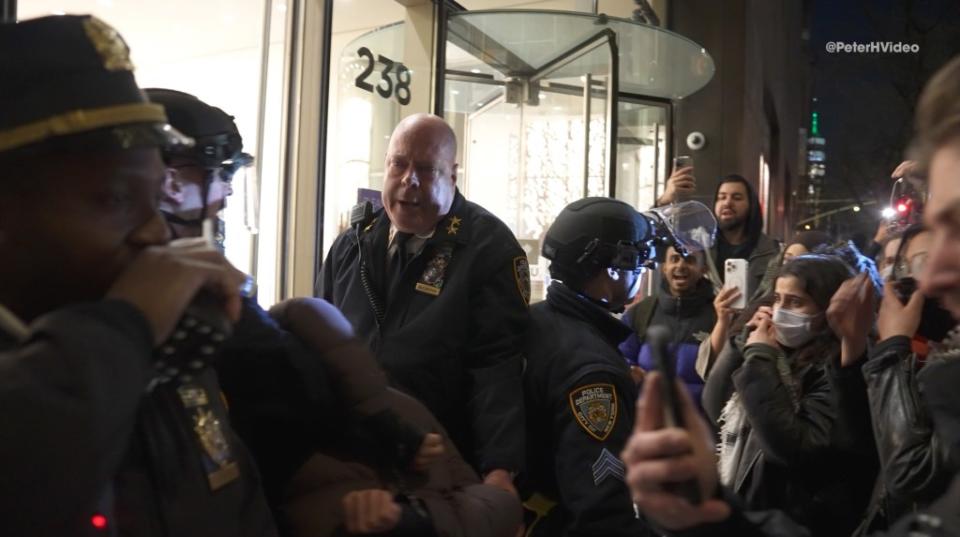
595, 408
521, 273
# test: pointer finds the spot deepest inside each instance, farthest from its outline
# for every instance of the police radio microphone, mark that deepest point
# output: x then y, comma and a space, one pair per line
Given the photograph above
360, 214
659, 339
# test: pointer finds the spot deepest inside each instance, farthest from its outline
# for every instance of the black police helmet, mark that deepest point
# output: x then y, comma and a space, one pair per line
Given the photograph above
596, 233
218, 141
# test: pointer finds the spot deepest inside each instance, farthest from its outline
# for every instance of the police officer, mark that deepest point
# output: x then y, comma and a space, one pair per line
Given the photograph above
198, 178
112, 422
293, 389
438, 287
579, 392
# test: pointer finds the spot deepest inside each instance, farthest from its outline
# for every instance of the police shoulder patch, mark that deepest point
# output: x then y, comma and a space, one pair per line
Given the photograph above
521, 273
595, 408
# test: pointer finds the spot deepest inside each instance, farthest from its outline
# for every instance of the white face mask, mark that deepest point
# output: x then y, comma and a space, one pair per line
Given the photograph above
794, 329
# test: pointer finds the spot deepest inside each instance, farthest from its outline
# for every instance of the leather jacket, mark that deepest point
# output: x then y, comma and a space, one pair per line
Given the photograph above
913, 458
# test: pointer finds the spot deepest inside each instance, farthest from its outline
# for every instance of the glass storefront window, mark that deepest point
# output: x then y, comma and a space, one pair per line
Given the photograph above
215, 50
642, 152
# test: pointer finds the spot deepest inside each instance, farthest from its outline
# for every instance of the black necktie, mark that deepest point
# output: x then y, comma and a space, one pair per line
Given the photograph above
399, 258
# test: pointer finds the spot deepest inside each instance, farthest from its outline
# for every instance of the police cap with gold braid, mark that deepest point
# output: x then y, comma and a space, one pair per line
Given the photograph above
67, 84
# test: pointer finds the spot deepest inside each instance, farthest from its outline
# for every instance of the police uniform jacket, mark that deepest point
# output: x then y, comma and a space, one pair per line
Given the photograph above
580, 412
85, 434
453, 322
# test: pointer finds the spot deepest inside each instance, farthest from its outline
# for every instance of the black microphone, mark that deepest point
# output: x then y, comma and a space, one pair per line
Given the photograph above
659, 339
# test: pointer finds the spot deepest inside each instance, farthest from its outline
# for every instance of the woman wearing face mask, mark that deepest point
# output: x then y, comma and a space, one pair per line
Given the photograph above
781, 446
913, 333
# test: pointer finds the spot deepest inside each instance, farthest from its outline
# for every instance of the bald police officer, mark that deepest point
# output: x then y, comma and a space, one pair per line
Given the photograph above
438, 287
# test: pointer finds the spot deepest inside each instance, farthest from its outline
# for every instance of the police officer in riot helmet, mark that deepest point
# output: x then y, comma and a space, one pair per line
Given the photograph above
579, 393
198, 178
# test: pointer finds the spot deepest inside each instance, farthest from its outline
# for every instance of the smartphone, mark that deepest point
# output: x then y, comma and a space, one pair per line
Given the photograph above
659, 338
735, 275
682, 161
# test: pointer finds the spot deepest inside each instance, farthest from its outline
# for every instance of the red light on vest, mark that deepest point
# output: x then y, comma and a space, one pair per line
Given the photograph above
99, 521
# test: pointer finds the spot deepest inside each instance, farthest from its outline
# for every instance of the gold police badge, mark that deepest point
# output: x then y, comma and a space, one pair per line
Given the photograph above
595, 408
111, 47
216, 447
431, 281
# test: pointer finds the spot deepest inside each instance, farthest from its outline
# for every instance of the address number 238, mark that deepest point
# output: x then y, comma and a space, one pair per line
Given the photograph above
394, 77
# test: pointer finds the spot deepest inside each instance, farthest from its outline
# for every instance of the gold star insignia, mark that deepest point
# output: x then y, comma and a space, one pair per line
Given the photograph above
454, 226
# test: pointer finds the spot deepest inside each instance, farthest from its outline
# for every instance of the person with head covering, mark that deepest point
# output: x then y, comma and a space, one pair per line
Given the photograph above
112, 421
740, 223
579, 394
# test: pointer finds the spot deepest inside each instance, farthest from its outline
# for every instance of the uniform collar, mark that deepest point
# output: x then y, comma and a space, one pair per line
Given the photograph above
453, 227
569, 302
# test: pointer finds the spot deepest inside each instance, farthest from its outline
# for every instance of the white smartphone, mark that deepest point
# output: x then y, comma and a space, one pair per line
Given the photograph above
735, 275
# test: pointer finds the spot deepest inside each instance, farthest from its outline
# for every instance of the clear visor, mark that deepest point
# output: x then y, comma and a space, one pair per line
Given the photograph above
690, 223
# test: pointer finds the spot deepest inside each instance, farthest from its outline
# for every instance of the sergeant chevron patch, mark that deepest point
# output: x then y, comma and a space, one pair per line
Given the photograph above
607, 465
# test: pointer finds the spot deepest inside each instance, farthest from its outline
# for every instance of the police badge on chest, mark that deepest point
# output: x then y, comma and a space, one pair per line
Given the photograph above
216, 454
431, 281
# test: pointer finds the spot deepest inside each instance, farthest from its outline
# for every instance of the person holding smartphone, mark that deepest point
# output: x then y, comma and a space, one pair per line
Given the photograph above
780, 442
681, 184
913, 332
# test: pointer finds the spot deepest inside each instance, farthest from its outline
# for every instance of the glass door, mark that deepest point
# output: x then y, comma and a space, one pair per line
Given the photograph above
533, 141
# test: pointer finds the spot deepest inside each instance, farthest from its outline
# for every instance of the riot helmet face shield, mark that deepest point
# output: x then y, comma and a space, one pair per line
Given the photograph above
592, 234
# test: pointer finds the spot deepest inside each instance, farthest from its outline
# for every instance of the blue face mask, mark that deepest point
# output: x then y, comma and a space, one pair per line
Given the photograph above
793, 329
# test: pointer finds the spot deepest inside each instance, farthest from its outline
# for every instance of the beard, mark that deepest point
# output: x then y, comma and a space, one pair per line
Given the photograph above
732, 225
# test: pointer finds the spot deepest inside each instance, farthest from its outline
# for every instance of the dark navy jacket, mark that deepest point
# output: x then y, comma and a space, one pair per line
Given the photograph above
580, 413
453, 324
80, 434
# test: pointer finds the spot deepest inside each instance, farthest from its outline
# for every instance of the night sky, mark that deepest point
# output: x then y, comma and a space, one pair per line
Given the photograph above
865, 100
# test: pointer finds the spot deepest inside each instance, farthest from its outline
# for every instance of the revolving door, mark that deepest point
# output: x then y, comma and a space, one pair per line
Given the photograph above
544, 115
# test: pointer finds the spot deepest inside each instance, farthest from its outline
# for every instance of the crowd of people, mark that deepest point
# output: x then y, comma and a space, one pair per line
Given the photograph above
420, 393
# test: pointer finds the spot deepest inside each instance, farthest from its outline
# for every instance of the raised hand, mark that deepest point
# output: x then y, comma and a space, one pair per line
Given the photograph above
162, 280
680, 184
656, 458
851, 316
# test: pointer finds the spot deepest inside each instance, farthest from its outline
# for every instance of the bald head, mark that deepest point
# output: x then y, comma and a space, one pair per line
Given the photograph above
428, 130
420, 173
